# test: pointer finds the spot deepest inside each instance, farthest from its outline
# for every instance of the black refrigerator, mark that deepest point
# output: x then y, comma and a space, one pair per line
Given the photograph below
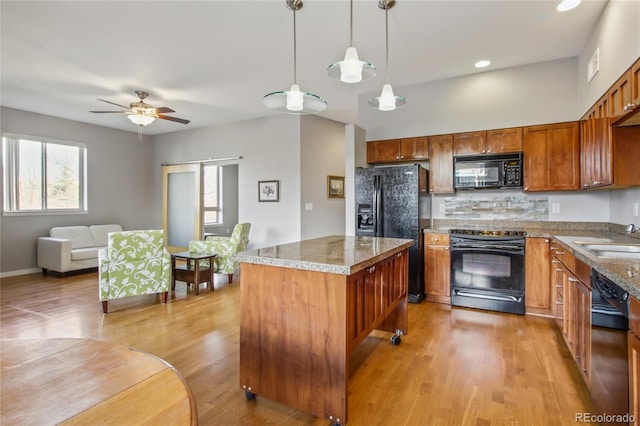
388, 204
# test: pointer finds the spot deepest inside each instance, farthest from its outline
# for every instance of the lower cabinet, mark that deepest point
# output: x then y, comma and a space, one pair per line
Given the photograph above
437, 267
539, 295
573, 277
634, 359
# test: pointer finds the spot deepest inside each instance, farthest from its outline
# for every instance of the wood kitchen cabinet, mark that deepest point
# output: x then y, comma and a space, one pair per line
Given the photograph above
633, 340
495, 141
551, 157
620, 95
539, 293
437, 268
573, 275
441, 164
398, 150
596, 146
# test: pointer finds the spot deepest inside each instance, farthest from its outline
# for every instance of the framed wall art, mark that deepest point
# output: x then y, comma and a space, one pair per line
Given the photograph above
268, 190
335, 186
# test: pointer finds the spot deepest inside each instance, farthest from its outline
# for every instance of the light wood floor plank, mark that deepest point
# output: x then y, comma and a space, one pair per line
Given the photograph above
455, 367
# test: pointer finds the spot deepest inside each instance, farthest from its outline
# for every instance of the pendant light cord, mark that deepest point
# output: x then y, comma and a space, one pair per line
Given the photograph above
351, 25
295, 59
386, 26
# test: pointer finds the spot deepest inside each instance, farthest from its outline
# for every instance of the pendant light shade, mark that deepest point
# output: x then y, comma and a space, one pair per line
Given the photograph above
351, 69
294, 101
387, 101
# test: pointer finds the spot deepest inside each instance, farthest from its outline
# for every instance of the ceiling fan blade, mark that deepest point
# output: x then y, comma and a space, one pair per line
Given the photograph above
164, 110
108, 112
176, 119
113, 103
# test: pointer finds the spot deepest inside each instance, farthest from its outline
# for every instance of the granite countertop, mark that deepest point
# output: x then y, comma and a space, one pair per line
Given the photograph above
624, 272
336, 254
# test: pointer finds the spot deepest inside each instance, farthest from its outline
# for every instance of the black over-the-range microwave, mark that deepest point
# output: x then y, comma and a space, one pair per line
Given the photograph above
488, 171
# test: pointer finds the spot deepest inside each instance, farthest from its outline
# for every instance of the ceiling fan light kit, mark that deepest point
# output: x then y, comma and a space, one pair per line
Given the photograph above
294, 101
387, 101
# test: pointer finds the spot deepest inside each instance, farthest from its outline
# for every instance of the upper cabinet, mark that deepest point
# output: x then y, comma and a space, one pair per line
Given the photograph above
551, 157
398, 150
495, 141
441, 164
608, 154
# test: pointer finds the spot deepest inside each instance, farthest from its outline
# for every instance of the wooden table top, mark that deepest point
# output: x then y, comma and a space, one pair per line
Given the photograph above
85, 381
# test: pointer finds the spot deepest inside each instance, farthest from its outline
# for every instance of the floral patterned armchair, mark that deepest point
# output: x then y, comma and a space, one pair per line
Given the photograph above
225, 248
134, 263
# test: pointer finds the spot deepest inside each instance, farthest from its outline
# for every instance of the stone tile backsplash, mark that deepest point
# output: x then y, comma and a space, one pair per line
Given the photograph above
497, 207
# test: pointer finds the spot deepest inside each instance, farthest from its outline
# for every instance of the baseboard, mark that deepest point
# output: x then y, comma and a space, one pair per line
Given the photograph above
20, 272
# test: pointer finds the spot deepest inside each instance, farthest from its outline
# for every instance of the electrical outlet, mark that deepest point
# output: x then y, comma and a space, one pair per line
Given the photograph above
555, 208
308, 206
441, 207
635, 209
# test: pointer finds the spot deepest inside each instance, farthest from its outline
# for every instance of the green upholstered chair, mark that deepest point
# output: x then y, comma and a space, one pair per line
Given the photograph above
225, 248
134, 263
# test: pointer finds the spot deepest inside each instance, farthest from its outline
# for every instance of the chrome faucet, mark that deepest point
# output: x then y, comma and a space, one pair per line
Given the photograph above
631, 228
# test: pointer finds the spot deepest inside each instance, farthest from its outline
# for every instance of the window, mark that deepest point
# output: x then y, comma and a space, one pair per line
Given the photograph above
43, 175
212, 192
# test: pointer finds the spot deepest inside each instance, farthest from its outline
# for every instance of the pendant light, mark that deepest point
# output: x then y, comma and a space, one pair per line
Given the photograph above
351, 69
294, 101
387, 101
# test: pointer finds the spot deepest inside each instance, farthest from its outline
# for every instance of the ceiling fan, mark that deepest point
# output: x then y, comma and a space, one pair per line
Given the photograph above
142, 113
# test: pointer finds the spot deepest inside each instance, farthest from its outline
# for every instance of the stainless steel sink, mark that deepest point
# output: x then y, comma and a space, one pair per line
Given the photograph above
618, 250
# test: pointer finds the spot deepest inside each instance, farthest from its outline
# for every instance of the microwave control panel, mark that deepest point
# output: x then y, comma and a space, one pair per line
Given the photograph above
512, 172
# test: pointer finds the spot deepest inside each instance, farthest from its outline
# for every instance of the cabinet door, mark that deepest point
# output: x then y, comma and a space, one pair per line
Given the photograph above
634, 377
469, 143
551, 157
441, 164
582, 344
385, 151
620, 95
539, 295
635, 84
504, 140
414, 148
437, 267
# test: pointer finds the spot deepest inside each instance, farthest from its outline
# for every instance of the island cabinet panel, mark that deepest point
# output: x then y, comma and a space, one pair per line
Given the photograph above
298, 328
539, 293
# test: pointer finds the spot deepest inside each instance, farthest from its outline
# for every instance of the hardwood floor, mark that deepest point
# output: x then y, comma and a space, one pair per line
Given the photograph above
455, 367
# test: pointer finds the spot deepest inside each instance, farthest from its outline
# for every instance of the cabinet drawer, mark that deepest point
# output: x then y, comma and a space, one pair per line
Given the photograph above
436, 239
561, 253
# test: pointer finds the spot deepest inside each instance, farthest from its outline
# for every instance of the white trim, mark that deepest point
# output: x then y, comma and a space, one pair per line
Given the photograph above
20, 272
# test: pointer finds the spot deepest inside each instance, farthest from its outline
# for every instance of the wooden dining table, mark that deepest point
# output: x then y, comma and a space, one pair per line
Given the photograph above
77, 381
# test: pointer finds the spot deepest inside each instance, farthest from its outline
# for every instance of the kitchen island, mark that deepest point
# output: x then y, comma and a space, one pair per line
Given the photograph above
306, 305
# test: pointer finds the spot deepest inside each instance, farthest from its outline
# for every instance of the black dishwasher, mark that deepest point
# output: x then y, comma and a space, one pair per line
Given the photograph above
609, 359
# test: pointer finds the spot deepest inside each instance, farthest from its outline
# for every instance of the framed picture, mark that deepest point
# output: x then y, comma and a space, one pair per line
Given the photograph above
268, 190
335, 186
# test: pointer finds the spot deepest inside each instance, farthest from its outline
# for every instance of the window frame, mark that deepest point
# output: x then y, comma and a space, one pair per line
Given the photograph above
11, 160
219, 189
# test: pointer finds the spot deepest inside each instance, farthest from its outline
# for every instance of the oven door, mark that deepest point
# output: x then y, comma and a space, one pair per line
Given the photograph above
488, 276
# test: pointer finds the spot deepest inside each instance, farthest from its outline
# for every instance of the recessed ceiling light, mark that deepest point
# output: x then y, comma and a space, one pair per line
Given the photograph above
483, 63
567, 5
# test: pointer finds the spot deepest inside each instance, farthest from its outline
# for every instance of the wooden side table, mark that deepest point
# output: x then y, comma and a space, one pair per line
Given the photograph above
190, 272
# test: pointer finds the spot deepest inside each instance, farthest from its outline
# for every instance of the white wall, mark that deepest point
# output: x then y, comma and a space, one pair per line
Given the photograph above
322, 153
355, 156
119, 177
623, 206
540, 93
270, 148
617, 36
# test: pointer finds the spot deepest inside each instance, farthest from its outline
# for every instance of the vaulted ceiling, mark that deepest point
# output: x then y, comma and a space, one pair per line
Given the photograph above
213, 61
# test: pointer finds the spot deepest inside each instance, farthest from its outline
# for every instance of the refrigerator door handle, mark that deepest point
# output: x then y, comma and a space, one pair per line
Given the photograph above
377, 205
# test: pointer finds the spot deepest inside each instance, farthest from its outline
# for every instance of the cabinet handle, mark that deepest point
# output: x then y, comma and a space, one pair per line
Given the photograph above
629, 107
573, 280
372, 269
489, 151
546, 241
555, 261
560, 252
526, 188
399, 254
559, 286
597, 183
446, 248
553, 248
559, 269
436, 239
559, 303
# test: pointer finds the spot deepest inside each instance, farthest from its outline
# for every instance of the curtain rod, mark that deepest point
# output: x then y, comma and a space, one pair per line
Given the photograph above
210, 160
